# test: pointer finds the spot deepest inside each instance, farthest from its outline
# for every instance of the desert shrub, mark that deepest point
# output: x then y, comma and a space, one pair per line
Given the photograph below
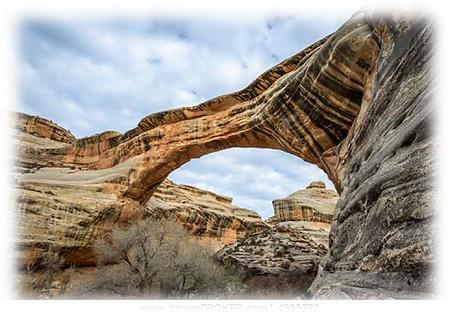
158, 259
48, 277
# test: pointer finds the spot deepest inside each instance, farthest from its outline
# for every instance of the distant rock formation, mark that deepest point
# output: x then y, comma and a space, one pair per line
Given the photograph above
286, 256
210, 217
313, 204
43, 128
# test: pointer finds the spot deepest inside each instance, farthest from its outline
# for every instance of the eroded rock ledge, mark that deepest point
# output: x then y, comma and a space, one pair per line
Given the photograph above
68, 208
209, 216
313, 204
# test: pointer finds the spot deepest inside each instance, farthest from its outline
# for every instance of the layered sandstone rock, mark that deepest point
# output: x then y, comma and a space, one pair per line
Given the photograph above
309, 211
34, 135
67, 209
381, 241
283, 260
42, 128
313, 204
357, 104
210, 217
304, 106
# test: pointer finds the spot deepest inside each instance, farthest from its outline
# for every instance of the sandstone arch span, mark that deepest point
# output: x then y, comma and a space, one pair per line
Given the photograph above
304, 106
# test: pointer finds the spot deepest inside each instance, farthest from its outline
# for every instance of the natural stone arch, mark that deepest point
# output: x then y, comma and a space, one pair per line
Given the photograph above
304, 106
358, 104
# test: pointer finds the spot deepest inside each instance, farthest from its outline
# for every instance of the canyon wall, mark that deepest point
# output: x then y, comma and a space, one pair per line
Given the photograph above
381, 240
208, 216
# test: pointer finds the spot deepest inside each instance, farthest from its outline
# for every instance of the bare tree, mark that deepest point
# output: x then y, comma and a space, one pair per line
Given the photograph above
158, 259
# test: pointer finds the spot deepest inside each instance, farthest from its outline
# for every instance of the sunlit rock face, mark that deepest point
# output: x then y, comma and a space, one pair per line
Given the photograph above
68, 208
313, 204
304, 106
356, 103
210, 217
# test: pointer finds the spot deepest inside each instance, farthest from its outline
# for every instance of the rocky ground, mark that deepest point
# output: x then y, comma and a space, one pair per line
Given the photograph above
282, 261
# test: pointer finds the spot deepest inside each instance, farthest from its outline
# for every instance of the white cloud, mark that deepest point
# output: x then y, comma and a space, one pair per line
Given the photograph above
125, 112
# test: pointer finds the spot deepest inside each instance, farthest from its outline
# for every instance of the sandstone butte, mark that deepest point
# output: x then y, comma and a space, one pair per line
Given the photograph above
357, 103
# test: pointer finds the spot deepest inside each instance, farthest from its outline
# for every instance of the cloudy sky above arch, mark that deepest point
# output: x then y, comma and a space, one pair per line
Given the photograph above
95, 75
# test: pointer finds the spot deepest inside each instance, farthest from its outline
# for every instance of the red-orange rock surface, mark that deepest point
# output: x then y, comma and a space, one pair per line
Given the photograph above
68, 208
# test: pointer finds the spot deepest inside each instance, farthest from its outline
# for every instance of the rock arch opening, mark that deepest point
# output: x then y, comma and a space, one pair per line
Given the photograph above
304, 106
251, 177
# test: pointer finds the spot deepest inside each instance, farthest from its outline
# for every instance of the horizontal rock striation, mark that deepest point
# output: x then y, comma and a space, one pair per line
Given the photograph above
42, 127
34, 136
308, 211
66, 209
210, 217
313, 204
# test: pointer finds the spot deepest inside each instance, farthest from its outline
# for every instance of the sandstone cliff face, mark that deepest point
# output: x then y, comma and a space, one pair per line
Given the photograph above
357, 104
42, 128
210, 217
313, 204
309, 211
381, 241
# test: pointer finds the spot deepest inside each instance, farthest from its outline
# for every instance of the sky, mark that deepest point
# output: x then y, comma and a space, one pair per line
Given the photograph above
104, 74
